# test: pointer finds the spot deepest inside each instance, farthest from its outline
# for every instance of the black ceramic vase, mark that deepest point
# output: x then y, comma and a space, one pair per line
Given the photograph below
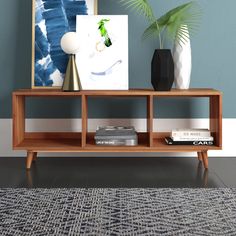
162, 70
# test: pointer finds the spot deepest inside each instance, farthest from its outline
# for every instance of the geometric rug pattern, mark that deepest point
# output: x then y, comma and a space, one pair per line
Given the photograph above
118, 212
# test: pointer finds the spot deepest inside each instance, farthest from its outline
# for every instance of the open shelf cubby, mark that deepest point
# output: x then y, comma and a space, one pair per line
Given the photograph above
150, 141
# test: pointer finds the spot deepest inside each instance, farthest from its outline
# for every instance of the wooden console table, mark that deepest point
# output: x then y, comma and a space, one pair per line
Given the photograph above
150, 141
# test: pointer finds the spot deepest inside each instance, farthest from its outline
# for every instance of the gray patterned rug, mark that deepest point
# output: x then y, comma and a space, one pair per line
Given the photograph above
118, 212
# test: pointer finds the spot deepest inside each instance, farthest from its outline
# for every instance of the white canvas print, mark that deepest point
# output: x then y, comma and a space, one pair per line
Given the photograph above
102, 60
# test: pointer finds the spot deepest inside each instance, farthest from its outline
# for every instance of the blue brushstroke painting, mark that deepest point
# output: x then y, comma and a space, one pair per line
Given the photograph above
53, 18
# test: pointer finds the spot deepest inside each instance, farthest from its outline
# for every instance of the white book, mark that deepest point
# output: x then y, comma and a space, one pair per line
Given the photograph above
191, 133
208, 139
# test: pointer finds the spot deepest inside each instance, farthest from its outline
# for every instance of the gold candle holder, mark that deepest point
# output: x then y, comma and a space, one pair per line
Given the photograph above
72, 79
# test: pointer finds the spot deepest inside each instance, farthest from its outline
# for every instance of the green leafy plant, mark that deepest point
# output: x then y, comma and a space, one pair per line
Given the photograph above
177, 24
104, 33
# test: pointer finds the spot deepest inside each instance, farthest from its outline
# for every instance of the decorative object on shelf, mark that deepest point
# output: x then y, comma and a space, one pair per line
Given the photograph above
50, 22
162, 70
103, 56
70, 45
183, 62
171, 25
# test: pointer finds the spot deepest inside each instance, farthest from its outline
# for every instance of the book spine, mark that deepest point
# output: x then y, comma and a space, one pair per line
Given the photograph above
111, 142
190, 130
115, 137
191, 134
183, 138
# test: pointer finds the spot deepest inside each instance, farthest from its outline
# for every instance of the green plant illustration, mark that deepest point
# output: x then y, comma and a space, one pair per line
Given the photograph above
177, 24
104, 33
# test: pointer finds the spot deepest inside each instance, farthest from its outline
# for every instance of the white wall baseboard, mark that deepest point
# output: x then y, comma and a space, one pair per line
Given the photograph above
60, 125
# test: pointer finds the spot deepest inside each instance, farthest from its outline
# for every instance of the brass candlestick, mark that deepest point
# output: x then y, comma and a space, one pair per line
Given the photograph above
72, 79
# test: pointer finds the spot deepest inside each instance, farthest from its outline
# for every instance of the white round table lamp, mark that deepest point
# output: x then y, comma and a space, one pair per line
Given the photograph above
70, 45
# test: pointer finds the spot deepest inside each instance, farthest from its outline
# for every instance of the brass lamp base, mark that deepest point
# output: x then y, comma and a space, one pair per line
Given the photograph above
72, 80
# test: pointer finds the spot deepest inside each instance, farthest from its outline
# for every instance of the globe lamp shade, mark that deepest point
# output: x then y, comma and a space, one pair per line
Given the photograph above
70, 43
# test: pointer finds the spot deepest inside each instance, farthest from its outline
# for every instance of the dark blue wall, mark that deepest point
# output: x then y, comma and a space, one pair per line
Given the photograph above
214, 63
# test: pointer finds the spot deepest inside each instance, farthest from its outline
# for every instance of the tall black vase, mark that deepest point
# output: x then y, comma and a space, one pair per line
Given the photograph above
162, 70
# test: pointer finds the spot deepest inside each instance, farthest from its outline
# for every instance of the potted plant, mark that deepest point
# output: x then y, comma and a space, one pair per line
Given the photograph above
176, 25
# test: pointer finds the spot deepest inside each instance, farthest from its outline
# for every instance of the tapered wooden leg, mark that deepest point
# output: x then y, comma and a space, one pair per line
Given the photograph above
205, 159
199, 155
35, 156
29, 159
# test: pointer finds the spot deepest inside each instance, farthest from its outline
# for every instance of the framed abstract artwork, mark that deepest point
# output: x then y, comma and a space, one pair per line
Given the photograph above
51, 19
102, 60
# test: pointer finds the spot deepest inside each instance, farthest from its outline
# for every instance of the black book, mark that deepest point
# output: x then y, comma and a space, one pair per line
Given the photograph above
170, 141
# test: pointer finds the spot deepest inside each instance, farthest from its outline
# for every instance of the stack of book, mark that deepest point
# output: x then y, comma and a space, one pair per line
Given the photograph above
116, 136
196, 137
